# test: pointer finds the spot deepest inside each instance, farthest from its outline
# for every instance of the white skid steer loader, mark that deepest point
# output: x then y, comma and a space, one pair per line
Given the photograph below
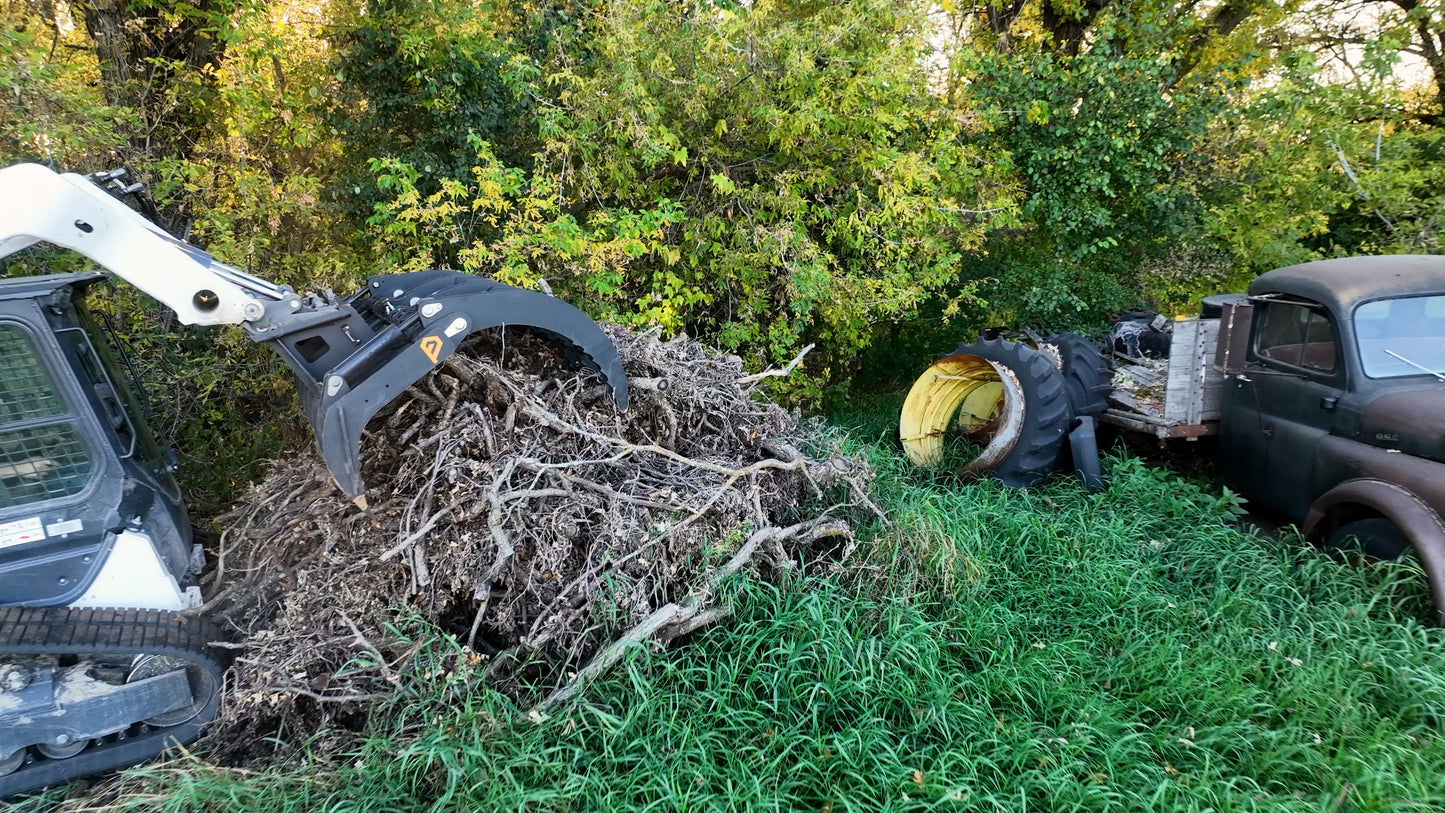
100, 665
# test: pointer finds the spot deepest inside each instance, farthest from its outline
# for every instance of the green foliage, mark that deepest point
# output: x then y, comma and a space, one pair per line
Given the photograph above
1107, 147
414, 79
158, 60
824, 189
54, 112
518, 229
1098, 142
1387, 39
1309, 168
1104, 108
1195, 267
1395, 174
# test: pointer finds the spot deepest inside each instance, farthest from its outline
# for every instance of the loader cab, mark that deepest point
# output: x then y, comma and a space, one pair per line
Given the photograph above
78, 465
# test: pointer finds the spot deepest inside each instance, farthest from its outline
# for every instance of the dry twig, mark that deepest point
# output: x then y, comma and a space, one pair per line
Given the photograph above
566, 531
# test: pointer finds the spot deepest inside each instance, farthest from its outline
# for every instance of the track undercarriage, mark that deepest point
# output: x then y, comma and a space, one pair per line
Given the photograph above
88, 691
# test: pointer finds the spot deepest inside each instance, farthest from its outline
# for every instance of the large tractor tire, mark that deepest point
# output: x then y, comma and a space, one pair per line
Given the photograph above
1088, 379
1007, 398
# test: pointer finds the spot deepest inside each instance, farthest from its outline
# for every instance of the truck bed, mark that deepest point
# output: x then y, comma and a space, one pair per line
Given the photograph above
1177, 397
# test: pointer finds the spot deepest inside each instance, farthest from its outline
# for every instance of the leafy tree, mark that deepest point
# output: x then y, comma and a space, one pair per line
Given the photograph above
1366, 38
826, 189
1104, 129
1187, 35
1311, 168
54, 112
512, 226
158, 59
256, 177
413, 79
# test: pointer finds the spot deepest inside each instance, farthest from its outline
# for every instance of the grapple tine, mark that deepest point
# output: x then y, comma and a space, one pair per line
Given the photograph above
425, 316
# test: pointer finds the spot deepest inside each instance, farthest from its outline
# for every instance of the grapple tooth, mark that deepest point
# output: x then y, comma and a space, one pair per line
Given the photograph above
440, 308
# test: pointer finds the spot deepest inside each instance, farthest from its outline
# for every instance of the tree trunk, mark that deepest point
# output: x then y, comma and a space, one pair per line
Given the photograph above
105, 22
144, 53
1431, 34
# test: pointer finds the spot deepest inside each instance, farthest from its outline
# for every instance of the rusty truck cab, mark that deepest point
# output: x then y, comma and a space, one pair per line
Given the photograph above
1334, 401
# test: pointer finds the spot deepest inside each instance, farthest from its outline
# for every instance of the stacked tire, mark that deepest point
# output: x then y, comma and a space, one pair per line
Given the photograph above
1017, 404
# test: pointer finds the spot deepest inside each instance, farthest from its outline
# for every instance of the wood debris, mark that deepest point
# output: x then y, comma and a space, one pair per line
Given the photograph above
514, 507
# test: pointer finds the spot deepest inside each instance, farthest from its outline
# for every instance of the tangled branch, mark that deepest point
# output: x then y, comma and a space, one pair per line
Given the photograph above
516, 509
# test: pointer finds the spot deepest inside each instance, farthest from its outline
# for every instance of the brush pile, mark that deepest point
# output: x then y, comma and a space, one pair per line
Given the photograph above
512, 505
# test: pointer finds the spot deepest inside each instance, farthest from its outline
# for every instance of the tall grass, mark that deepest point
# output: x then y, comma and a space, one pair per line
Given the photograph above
1031, 650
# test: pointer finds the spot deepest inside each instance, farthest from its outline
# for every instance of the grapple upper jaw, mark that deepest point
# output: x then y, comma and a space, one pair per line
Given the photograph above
427, 315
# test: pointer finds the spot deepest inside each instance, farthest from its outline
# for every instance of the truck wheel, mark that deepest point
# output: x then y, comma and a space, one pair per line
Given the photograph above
1005, 399
1088, 379
1367, 540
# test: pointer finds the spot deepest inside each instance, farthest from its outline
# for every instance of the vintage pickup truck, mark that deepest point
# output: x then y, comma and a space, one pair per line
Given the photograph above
1325, 383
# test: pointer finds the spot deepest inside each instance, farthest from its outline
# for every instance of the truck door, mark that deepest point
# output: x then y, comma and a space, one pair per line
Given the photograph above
1282, 405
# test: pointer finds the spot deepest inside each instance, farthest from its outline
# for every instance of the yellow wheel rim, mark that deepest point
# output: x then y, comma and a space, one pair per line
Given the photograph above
974, 396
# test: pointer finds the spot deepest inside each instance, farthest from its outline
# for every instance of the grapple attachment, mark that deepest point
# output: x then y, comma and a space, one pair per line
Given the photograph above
352, 360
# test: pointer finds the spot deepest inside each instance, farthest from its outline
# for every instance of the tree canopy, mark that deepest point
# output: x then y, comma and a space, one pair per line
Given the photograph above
764, 175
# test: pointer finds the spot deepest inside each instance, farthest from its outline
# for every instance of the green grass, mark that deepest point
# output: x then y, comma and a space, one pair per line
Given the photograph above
997, 650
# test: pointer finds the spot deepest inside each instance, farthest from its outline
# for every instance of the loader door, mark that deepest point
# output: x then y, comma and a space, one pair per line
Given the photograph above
55, 474
1279, 408
44, 455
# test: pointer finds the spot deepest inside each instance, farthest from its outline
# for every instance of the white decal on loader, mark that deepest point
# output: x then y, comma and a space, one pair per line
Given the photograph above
21, 531
69, 526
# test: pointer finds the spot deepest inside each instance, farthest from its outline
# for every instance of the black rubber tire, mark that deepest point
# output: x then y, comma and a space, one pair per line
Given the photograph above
1367, 540
1088, 378
1035, 454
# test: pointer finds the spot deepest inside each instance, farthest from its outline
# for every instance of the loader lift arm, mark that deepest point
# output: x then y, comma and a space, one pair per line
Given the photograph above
351, 356
39, 205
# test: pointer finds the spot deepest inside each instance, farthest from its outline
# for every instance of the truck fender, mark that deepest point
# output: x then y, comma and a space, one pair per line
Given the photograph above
1421, 524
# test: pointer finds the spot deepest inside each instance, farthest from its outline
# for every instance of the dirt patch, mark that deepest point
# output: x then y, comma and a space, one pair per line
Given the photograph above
76, 684
512, 504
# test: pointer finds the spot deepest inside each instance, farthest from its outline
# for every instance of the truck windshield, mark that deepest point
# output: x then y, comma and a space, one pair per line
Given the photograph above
1410, 328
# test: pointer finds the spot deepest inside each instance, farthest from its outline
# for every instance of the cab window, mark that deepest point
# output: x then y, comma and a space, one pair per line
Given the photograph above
120, 401
1296, 335
1401, 337
42, 454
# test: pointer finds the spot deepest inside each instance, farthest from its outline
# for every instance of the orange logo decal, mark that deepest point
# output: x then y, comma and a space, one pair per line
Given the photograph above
432, 346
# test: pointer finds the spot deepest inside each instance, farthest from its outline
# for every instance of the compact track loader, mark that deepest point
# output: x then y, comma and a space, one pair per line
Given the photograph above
104, 659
